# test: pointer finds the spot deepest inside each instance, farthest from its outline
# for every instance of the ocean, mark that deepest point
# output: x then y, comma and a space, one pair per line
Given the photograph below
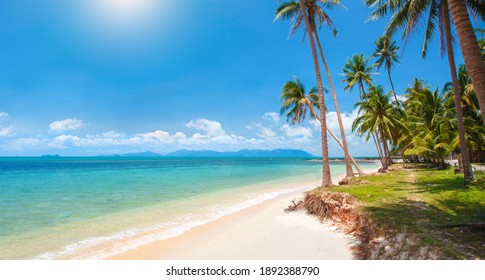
92, 208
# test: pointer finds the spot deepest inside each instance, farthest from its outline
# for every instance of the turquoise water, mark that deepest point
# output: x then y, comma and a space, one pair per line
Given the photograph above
58, 207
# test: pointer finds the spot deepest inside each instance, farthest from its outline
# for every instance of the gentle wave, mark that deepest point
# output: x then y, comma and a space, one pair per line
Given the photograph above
137, 237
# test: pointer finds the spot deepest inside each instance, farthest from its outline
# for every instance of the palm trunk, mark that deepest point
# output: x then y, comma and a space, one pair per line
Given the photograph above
326, 180
392, 86
348, 165
469, 48
361, 173
467, 171
385, 150
362, 90
378, 147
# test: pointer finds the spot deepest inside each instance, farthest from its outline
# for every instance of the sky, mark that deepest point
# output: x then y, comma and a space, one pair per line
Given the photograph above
92, 77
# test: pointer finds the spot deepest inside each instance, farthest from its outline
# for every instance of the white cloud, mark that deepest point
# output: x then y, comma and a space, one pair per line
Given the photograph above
198, 136
159, 135
263, 131
3, 116
212, 128
65, 125
7, 131
113, 134
64, 141
24, 144
347, 120
272, 116
402, 98
297, 131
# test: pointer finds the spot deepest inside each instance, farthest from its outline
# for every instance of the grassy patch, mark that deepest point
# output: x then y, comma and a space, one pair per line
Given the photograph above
426, 203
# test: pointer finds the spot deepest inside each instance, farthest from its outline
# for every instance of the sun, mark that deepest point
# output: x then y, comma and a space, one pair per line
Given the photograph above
125, 9
125, 12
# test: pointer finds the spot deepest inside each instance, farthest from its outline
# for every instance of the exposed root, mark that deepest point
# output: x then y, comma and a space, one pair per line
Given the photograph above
374, 242
342, 210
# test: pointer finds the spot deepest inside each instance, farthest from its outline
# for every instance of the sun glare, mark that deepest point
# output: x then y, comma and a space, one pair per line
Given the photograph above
126, 9
125, 13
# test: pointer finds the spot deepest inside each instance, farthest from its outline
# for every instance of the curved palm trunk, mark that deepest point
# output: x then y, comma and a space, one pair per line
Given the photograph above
392, 86
469, 49
348, 165
467, 171
327, 180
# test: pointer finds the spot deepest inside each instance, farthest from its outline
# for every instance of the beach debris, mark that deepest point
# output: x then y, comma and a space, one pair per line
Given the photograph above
345, 181
295, 206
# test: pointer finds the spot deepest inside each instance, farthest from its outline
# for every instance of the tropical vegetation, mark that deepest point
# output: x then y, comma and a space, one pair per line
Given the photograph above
435, 15
427, 123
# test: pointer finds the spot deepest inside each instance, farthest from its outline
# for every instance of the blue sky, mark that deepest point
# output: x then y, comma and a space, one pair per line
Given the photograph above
111, 76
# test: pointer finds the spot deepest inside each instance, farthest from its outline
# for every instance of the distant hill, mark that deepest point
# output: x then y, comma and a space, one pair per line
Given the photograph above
209, 153
143, 154
242, 153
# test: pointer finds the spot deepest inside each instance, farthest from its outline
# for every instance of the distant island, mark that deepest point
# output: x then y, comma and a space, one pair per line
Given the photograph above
51, 156
209, 153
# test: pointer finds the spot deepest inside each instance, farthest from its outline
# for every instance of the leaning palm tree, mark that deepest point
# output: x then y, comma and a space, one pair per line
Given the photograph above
386, 53
315, 11
408, 15
357, 71
296, 104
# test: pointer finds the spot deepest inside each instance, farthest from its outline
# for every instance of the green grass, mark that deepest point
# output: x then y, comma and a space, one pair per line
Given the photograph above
424, 201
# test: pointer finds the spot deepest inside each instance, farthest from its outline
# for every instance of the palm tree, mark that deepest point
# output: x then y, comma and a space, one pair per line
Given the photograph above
430, 120
387, 53
296, 103
316, 17
468, 43
408, 15
376, 114
326, 180
475, 127
357, 72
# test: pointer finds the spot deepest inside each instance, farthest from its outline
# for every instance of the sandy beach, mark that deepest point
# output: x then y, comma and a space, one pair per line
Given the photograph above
263, 231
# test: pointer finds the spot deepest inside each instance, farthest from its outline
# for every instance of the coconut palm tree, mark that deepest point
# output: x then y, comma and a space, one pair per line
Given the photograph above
315, 11
386, 52
326, 180
432, 131
376, 114
475, 127
296, 104
408, 15
357, 71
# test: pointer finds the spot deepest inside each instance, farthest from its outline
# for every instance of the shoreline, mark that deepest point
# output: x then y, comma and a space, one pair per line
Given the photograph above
262, 231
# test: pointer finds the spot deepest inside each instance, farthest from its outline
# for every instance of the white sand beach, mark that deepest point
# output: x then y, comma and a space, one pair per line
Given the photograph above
263, 231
